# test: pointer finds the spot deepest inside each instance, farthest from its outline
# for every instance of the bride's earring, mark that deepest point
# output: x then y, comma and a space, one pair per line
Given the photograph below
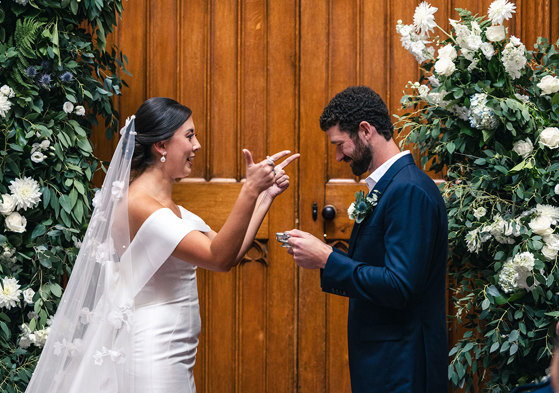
163, 159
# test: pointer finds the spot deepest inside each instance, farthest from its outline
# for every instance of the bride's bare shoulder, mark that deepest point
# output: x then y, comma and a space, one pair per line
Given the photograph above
140, 207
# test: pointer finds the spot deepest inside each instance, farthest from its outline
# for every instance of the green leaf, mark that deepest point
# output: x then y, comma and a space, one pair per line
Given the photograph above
485, 304
38, 231
56, 289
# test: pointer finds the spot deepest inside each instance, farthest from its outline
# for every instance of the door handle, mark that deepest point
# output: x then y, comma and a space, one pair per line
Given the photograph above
329, 212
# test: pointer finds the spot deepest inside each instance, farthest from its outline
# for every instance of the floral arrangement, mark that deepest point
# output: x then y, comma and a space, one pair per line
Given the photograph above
55, 82
486, 111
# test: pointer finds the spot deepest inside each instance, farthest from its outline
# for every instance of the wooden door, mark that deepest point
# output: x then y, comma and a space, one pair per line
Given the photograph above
257, 74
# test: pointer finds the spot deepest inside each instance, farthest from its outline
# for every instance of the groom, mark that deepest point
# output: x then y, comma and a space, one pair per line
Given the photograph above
394, 272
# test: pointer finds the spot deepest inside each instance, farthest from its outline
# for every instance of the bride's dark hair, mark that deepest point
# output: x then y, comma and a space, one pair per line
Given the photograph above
157, 119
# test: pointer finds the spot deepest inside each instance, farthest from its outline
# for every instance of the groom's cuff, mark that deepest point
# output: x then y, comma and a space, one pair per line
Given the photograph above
326, 282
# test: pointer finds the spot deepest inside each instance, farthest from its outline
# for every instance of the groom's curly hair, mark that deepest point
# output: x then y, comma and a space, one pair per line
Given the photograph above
352, 106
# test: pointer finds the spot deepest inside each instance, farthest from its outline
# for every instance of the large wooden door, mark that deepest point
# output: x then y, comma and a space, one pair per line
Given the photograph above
257, 74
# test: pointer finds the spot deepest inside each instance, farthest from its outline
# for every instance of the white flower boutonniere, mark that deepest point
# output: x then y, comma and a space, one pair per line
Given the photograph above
362, 206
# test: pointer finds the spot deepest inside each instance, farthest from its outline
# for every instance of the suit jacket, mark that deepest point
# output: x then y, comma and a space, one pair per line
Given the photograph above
395, 276
544, 387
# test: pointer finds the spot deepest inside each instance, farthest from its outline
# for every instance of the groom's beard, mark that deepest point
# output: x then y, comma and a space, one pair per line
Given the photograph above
362, 157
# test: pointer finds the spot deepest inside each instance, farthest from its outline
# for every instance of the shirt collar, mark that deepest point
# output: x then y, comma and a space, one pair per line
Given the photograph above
375, 176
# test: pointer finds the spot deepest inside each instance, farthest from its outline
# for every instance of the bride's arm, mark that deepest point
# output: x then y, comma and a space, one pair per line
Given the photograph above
221, 251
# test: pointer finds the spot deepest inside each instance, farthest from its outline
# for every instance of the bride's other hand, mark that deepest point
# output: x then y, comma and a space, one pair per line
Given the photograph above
259, 176
281, 182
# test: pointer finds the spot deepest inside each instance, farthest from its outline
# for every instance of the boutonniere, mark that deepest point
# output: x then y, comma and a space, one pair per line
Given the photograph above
362, 206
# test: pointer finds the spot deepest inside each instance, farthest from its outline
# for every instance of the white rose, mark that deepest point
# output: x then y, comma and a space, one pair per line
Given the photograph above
45, 144
523, 148
552, 241
37, 157
473, 42
549, 253
7, 205
488, 50
550, 137
68, 107
15, 222
7, 91
28, 295
444, 66
79, 110
423, 90
549, 84
495, 33
479, 212
448, 52
541, 225
556, 189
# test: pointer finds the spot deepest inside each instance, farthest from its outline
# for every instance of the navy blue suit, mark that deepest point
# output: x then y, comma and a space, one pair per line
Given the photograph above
395, 276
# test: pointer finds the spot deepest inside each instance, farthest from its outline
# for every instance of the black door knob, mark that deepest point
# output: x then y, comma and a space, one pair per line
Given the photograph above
329, 212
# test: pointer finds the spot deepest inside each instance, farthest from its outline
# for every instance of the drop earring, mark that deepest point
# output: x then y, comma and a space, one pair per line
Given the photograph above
163, 159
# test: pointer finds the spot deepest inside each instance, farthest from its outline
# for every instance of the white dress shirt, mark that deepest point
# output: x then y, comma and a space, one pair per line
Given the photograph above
375, 176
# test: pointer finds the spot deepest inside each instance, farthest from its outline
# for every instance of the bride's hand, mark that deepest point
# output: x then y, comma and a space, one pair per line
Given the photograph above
282, 179
260, 176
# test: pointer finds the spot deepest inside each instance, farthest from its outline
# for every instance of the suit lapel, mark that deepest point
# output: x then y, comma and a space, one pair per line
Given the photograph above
381, 186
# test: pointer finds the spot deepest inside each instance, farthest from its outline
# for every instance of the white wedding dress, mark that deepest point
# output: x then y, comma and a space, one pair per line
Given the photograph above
141, 335
166, 320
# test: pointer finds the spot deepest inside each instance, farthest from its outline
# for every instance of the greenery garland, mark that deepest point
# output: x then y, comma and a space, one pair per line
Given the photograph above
57, 77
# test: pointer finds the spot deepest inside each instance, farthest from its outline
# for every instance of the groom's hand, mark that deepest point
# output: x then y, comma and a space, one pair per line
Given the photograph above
308, 251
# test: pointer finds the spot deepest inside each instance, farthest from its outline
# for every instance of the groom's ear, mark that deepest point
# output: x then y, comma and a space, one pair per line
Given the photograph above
366, 131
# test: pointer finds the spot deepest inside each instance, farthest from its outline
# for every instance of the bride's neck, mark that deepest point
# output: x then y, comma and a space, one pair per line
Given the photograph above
154, 182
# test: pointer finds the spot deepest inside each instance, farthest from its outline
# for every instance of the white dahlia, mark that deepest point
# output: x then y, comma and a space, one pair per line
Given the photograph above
26, 192
9, 293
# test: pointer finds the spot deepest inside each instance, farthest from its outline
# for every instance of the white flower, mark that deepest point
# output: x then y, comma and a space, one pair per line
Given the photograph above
500, 10
15, 222
424, 19
38, 157
9, 293
479, 212
522, 97
423, 90
434, 81
22, 2
549, 253
523, 148
445, 66
496, 33
7, 91
28, 295
5, 105
25, 342
550, 137
85, 316
45, 144
68, 107
117, 189
549, 85
488, 50
473, 65
552, 241
556, 189
541, 225
448, 51
351, 211
471, 42
7, 204
514, 57
26, 192
461, 111
97, 198
548, 211
79, 110
40, 337
482, 116
502, 229
516, 271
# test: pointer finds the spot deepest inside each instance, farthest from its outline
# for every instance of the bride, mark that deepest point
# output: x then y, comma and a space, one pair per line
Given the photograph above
129, 319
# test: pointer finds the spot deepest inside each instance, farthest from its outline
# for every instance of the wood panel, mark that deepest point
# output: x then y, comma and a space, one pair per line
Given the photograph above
257, 74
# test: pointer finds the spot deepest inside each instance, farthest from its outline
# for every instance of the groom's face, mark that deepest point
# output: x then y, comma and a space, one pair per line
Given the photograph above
350, 150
